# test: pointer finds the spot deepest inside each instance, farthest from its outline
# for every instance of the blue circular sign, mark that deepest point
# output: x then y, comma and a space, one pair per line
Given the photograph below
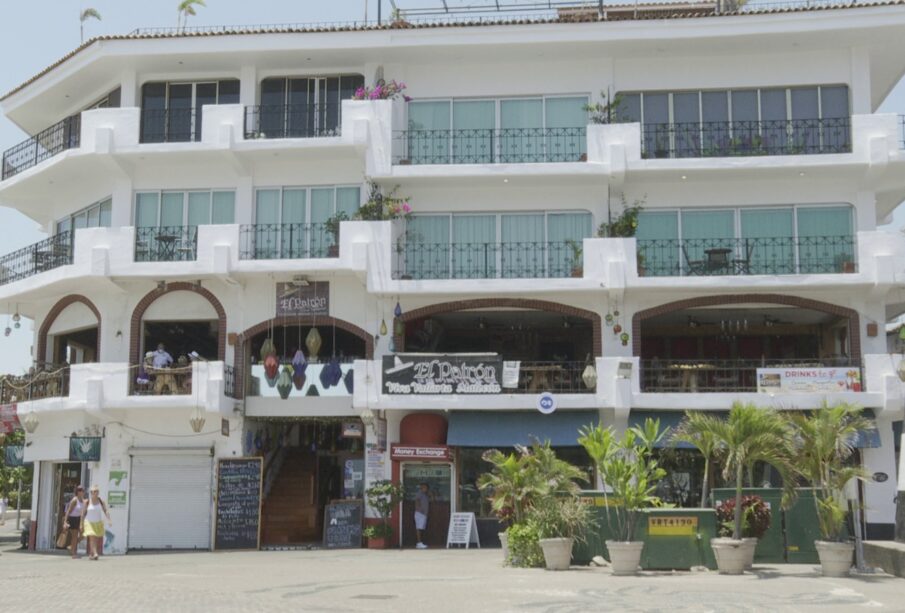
546, 403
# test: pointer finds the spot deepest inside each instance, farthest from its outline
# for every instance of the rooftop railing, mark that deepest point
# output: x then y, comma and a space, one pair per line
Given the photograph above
746, 256
288, 241
47, 143
166, 244
746, 138
728, 376
292, 120
40, 257
516, 260
490, 146
170, 125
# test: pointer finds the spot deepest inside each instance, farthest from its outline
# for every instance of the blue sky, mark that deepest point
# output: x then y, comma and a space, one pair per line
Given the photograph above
37, 33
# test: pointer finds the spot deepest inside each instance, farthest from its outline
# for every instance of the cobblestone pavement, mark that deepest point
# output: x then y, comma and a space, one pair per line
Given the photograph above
431, 581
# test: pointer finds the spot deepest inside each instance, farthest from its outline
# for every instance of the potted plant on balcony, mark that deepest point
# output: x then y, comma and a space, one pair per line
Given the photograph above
383, 496
576, 262
332, 228
749, 435
845, 262
625, 224
607, 111
383, 207
824, 442
630, 473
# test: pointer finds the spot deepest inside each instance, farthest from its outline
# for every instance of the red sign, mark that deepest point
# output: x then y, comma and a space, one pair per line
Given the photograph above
9, 419
419, 452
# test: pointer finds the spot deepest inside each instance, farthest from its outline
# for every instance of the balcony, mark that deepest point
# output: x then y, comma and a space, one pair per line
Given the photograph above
734, 375
149, 381
44, 255
289, 241
517, 260
490, 146
746, 256
170, 125
746, 138
50, 381
317, 380
166, 244
551, 376
292, 121
42, 146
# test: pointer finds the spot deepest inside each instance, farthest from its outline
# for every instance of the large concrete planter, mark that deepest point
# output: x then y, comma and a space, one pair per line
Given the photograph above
835, 558
750, 544
625, 557
504, 542
731, 555
557, 553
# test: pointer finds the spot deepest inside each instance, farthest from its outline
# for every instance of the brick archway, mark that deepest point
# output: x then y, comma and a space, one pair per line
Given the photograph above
180, 286
324, 321
516, 303
41, 353
854, 326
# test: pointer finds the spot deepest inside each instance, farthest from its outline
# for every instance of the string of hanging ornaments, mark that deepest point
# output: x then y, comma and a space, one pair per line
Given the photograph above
16, 321
614, 320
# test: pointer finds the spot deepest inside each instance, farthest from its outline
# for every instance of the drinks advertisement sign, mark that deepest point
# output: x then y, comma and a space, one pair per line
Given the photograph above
805, 380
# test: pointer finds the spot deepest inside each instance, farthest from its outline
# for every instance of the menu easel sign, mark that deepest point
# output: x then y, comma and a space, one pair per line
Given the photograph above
239, 484
342, 524
463, 530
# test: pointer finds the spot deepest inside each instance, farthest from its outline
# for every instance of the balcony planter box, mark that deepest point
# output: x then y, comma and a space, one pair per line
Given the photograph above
583, 158
405, 162
625, 557
731, 555
848, 267
557, 553
333, 251
835, 558
577, 272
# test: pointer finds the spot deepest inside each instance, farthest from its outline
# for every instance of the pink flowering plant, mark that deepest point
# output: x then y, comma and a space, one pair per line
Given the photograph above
383, 207
382, 91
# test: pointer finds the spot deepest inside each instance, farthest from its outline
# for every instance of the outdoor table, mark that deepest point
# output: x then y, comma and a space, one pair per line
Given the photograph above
690, 373
717, 258
540, 376
166, 246
175, 380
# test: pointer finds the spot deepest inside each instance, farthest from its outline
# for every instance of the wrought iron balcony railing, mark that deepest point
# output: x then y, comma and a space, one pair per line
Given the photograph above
288, 241
692, 375
746, 138
166, 244
551, 376
292, 120
490, 146
170, 125
44, 381
746, 256
44, 255
42, 146
517, 260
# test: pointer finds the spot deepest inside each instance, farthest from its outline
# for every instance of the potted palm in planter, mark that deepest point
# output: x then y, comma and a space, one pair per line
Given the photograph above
823, 443
577, 262
749, 435
559, 521
631, 474
756, 519
506, 485
383, 496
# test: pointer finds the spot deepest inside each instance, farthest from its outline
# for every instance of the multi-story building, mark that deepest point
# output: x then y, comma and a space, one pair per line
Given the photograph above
192, 185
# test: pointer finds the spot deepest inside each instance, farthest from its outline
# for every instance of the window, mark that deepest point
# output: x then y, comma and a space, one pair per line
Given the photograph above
171, 112
184, 209
290, 221
538, 129
302, 107
483, 246
98, 215
756, 240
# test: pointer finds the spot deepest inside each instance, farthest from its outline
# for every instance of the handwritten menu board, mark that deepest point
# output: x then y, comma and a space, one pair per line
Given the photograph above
342, 524
239, 503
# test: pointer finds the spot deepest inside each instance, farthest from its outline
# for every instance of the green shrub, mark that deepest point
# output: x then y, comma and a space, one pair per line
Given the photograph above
524, 546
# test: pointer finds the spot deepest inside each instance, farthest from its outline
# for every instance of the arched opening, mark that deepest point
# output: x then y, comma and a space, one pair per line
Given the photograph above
70, 334
183, 322
728, 344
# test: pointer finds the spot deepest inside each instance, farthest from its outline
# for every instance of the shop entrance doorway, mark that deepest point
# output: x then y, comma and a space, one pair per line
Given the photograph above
438, 478
58, 481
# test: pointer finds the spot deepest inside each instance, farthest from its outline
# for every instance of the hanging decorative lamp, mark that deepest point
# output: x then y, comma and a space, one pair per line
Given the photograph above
30, 423
271, 369
196, 421
398, 310
383, 327
284, 382
313, 342
589, 376
268, 348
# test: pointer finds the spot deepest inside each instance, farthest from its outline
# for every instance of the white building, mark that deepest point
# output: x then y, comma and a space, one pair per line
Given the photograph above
186, 179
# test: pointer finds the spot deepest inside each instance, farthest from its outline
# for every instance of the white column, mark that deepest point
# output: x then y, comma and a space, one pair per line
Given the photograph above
248, 86
860, 81
128, 84
879, 505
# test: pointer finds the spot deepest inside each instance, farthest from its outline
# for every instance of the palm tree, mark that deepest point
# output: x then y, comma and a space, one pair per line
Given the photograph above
186, 9
698, 429
85, 16
823, 443
751, 434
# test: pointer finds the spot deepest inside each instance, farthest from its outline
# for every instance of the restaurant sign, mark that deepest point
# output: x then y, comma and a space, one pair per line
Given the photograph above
442, 374
419, 452
312, 299
804, 380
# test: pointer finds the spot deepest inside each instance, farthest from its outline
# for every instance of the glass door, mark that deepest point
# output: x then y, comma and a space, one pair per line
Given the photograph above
438, 478
179, 112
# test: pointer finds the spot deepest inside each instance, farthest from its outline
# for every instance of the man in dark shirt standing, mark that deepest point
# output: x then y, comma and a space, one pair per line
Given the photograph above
422, 508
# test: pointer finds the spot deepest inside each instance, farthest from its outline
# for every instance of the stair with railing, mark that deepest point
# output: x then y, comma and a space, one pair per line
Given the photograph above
290, 509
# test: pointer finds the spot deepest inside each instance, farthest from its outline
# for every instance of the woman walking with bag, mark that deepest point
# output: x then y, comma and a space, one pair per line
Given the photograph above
72, 520
93, 515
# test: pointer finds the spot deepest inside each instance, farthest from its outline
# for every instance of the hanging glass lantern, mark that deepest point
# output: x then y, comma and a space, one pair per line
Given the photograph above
30, 423
383, 327
589, 376
271, 369
268, 348
624, 338
8, 331
313, 343
608, 318
284, 382
398, 310
617, 329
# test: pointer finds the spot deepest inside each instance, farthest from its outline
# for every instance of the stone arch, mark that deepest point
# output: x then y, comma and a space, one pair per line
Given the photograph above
517, 303
180, 286
854, 331
41, 352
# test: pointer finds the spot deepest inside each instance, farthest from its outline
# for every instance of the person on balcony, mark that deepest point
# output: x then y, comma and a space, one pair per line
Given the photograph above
161, 358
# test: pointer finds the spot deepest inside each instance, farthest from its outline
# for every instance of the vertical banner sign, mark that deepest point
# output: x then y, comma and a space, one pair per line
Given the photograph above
442, 374
9, 419
239, 489
301, 300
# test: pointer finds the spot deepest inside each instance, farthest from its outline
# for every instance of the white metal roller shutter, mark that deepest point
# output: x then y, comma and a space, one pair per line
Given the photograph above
171, 502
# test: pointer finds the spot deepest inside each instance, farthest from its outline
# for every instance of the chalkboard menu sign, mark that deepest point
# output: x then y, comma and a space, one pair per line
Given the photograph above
342, 524
239, 503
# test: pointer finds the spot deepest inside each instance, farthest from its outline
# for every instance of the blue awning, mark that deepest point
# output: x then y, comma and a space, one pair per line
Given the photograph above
508, 428
668, 419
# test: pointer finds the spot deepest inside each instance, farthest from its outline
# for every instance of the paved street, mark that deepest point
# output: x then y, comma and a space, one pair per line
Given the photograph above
432, 581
